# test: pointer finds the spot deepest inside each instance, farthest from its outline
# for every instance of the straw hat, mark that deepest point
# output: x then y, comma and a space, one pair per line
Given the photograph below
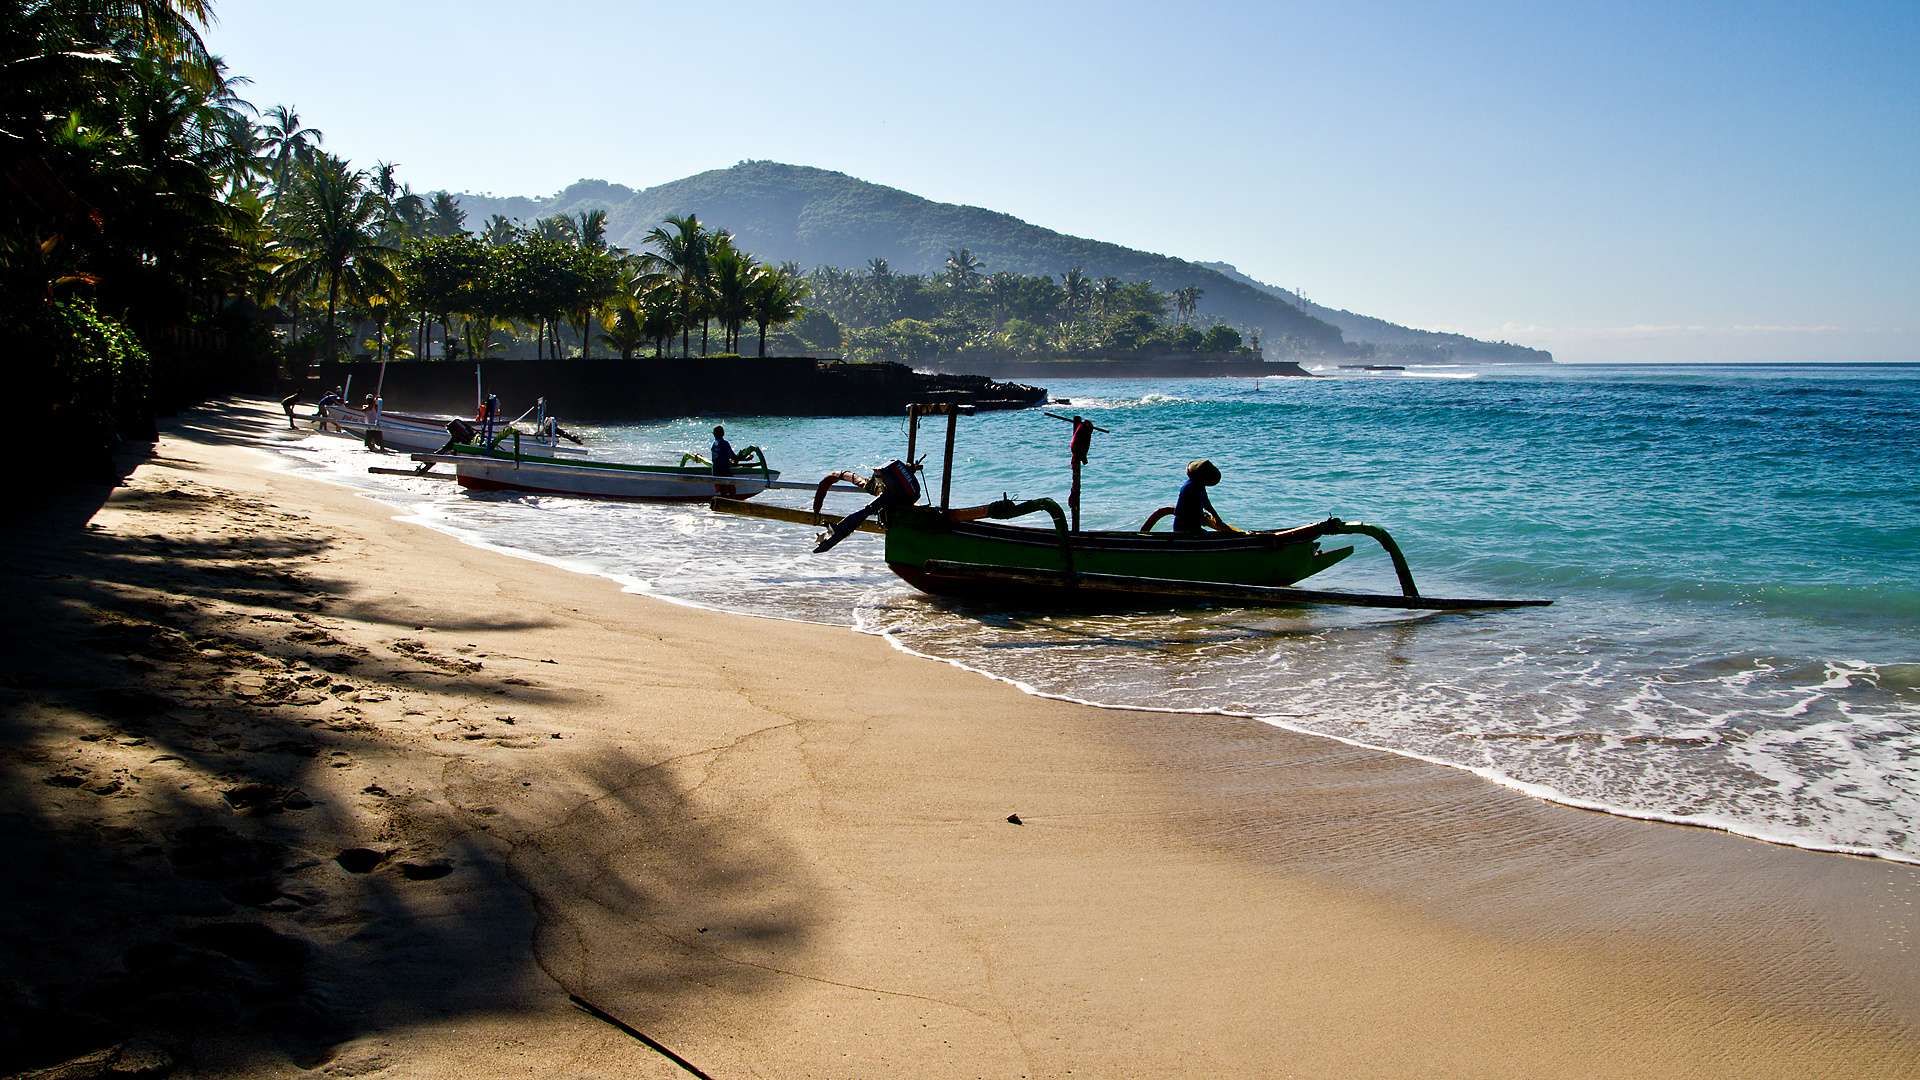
1203, 471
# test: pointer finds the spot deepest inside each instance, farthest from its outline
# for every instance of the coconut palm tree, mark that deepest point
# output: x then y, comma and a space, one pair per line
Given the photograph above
589, 229
1186, 301
590, 232
1075, 288
329, 236
774, 297
623, 327
733, 275
659, 316
883, 286
499, 231
963, 270
444, 216
403, 214
1003, 291
477, 330
289, 145
680, 247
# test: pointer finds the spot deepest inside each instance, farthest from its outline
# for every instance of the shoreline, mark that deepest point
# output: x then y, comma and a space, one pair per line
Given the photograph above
783, 849
1531, 789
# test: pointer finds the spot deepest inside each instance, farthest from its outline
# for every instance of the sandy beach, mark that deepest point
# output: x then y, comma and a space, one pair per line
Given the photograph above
295, 786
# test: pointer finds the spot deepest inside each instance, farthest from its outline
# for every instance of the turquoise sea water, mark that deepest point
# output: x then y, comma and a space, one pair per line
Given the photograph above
1732, 551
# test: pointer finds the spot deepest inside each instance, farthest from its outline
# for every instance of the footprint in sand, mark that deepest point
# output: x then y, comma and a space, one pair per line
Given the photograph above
359, 860
425, 871
265, 799
419, 653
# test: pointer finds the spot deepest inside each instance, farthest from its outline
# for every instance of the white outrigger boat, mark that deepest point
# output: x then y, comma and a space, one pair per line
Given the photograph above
507, 465
419, 432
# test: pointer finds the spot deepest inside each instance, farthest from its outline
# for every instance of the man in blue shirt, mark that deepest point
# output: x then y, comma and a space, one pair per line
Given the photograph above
721, 455
1194, 511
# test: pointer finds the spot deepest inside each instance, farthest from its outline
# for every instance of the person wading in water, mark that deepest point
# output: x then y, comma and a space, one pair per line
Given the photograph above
722, 455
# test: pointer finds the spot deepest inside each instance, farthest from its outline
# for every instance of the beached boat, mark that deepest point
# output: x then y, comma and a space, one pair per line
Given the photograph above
968, 551
413, 432
506, 466
961, 552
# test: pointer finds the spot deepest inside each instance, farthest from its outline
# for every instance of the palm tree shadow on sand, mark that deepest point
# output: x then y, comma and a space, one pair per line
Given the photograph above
185, 867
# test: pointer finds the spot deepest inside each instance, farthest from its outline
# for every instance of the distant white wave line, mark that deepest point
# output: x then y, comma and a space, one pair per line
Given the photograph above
1646, 330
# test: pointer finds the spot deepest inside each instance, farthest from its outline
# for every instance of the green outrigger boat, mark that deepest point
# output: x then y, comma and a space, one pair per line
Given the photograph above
973, 552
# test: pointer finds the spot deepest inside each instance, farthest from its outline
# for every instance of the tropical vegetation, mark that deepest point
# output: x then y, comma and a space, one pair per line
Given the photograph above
966, 313
816, 217
158, 230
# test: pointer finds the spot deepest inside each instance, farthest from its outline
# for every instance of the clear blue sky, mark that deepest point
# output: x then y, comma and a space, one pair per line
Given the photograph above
1618, 181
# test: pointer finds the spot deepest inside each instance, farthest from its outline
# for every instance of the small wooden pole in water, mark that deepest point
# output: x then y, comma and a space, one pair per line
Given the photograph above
1073, 454
946, 475
913, 429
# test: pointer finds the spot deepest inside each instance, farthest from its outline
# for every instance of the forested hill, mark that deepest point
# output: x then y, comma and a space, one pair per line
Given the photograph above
1381, 332
815, 217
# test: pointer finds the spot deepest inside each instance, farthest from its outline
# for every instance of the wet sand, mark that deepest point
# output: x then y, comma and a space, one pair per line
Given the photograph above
293, 785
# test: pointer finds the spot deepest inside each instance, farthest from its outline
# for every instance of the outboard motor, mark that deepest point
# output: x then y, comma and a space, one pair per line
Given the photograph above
458, 433
897, 486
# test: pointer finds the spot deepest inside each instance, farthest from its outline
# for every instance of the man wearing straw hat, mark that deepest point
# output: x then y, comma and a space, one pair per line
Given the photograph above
1194, 512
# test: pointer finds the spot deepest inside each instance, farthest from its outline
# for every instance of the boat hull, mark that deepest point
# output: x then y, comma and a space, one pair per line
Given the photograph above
919, 535
601, 480
425, 433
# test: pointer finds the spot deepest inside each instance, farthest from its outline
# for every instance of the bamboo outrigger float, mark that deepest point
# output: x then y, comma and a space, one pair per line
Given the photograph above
967, 551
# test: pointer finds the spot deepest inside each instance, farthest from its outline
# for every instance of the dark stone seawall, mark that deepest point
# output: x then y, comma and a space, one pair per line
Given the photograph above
1162, 368
606, 391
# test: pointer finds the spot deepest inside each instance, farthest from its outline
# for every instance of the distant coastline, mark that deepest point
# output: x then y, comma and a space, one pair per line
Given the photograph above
1155, 368
819, 218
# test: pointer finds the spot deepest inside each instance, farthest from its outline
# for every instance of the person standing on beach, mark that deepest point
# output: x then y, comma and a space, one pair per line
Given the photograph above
288, 403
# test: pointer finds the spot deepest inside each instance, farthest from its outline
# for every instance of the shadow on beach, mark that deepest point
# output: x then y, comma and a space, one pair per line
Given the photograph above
229, 843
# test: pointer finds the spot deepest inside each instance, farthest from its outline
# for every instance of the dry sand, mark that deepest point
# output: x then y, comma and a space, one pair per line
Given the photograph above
291, 785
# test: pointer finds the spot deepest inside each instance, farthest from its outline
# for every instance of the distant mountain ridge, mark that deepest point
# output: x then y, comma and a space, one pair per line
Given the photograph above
1381, 332
817, 217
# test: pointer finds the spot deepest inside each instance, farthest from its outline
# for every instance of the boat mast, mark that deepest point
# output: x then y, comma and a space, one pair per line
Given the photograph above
953, 413
946, 473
